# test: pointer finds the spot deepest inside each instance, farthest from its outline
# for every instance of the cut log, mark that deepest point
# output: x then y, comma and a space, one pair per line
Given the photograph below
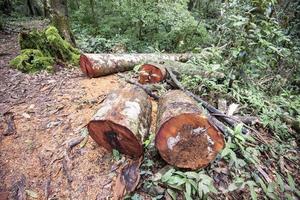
123, 121
185, 136
95, 65
152, 73
156, 72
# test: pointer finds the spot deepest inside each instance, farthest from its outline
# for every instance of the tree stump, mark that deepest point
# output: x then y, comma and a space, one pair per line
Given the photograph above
185, 136
123, 121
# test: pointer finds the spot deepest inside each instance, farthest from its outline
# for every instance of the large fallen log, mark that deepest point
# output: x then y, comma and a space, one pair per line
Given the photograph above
185, 136
95, 65
156, 72
123, 121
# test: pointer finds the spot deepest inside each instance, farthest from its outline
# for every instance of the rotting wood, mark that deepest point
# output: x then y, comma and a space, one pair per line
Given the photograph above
157, 72
185, 136
95, 65
128, 179
123, 121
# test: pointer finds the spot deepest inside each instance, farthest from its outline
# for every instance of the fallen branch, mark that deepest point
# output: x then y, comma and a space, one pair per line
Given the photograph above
145, 88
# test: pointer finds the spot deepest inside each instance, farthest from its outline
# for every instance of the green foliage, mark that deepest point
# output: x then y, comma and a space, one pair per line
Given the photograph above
116, 155
44, 48
192, 184
32, 60
143, 26
51, 44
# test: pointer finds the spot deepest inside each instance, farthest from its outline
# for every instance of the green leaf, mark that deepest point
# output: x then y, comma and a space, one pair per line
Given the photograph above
187, 196
232, 187
176, 180
251, 185
167, 175
192, 175
280, 182
238, 129
291, 182
172, 193
116, 154
188, 188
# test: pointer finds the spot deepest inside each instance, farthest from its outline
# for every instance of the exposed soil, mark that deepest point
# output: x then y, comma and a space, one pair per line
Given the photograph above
48, 110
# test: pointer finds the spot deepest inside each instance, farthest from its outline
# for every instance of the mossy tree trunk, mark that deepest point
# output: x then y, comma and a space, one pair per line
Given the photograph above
59, 18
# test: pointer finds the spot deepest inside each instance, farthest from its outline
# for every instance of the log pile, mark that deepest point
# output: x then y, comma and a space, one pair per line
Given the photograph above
187, 136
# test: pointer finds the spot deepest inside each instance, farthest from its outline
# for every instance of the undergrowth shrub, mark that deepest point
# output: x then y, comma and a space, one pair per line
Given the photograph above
141, 26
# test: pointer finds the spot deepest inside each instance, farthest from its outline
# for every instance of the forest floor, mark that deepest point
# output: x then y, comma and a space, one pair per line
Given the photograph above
49, 110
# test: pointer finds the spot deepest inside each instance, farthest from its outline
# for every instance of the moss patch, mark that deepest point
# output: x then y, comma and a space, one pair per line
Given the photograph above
32, 60
41, 49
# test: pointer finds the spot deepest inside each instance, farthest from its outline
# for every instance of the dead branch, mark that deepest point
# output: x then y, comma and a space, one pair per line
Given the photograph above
145, 88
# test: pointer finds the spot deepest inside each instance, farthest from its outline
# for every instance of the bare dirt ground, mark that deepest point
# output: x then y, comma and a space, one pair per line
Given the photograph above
48, 110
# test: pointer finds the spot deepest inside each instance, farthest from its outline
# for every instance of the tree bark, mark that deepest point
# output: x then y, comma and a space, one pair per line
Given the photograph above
155, 72
123, 121
95, 65
46, 8
185, 136
59, 18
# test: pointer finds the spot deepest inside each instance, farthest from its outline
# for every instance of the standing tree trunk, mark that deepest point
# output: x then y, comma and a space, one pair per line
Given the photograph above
46, 8
123, 121
185, 136
59, 18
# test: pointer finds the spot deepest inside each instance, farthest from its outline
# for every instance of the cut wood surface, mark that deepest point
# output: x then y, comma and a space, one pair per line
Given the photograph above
123, 121
95, 65
185, 136
156, 72
152, 73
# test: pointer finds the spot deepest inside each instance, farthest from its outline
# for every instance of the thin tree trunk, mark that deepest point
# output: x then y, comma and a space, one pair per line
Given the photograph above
59, 18
46, 8
30, 8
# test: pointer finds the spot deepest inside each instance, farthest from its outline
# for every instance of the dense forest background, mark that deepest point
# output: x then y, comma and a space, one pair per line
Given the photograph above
255, 43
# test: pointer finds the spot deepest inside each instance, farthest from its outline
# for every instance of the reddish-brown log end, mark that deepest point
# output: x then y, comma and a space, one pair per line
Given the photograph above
189, 141
114, 136
151, 73
86, 66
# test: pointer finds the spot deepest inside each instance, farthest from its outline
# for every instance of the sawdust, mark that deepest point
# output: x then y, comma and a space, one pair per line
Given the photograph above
49, 110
